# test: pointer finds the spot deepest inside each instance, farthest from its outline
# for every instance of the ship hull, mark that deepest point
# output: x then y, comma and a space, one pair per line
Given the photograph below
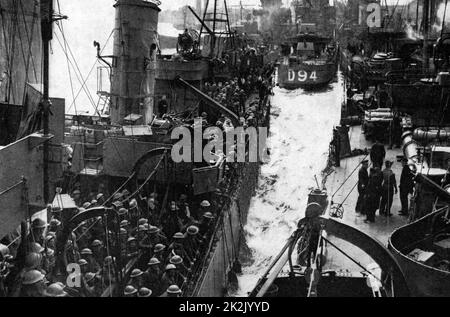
423, 280
306, 76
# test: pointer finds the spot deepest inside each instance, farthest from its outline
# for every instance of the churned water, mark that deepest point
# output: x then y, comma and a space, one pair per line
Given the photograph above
301, 130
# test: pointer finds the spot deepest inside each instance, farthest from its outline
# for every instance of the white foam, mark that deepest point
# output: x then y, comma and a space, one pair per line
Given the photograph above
299, 145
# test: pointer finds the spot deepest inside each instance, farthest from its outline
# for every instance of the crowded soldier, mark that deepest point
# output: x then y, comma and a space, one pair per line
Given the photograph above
166, 237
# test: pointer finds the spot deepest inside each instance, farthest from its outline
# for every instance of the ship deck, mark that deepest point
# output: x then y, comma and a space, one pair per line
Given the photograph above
383, 226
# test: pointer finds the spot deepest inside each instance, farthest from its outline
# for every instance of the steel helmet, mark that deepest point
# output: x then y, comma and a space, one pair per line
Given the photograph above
86, 251
178, 235
170, 267
89, 276
192, 230
36, 247
82, 262
154, 229
174, 289
136, 273
176, 260
159, 247
87, 205
124, 223
142, 221
205, 203
129, 290
38, 223
33, 260
97, 243
55, 290
208, 215
153, 261
144, 292
32, 277
133, 203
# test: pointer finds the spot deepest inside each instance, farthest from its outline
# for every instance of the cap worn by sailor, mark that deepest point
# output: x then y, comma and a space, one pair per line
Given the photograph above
86, 251
178, 236
205, 204
170, 267
89, 277
32, 277
192, 230
36, 247
174, 290
176, 260
136, 273
153, 261
56, 290
96, 243
144, 292
129, 291
208, 215
38, 223
159, 248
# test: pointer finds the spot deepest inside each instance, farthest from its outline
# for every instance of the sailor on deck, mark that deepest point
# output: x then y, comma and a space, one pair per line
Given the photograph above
363, 180
377, 154
388, 188
406, 187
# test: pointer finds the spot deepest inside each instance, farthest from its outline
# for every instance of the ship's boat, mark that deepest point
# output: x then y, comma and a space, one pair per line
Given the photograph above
309, 61
290, 277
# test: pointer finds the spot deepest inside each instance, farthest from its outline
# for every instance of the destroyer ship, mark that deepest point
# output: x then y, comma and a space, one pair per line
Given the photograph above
309, 57
97, 206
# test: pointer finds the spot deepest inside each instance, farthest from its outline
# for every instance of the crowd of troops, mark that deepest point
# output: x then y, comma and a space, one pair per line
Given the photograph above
164, 246
377, 186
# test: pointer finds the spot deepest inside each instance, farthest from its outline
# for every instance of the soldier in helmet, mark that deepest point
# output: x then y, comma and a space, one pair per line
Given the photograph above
170, 276
177, 248
182, 269
136, 279
37, 231
159, 252
152, 276
172, 291
108, 272
92, 266
155, 236
98, 251
192, 242
206, 226
55, 290
172, 223
132, 248
33, 284
130, 291
144, 292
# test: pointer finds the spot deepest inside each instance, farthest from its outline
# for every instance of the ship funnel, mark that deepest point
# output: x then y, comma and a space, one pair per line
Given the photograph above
135, 47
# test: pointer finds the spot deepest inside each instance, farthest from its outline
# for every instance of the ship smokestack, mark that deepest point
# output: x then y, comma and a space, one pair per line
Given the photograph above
133, 74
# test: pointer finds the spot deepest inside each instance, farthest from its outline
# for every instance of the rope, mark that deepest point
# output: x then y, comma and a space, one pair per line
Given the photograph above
348, 177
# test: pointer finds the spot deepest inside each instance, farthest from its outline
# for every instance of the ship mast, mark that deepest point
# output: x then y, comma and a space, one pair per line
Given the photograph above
426, 29
47, 35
